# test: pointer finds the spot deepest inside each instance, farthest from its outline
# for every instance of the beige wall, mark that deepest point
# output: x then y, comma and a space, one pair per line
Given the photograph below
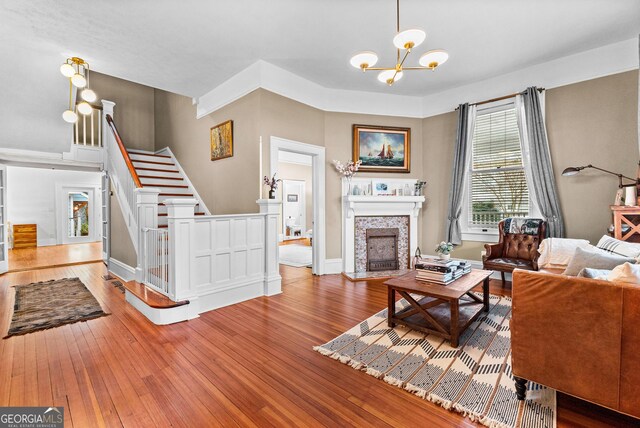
133, 113
227, 186
121, 246
588, 122
292, 171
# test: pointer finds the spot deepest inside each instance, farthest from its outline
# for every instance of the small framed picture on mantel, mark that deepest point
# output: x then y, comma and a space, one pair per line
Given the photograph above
382, 148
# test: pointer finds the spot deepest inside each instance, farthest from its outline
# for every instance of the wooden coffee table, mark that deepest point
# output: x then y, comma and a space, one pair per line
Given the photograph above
443, 310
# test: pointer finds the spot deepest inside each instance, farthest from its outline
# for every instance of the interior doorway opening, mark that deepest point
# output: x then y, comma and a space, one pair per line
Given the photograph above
301, 225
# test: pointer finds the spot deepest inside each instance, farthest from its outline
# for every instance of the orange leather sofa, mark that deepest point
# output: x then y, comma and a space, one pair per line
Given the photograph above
579, 336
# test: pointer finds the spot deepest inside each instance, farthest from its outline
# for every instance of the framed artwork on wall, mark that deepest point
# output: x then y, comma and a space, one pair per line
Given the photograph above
382, 148
222, 140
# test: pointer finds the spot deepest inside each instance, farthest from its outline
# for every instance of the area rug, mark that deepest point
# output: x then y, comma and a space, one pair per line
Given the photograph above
474, 379
49, 304
295, 255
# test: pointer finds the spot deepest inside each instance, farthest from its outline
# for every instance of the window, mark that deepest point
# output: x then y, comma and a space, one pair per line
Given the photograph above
497, 187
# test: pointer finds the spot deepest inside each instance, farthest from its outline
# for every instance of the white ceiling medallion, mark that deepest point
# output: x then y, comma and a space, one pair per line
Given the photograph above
405, 40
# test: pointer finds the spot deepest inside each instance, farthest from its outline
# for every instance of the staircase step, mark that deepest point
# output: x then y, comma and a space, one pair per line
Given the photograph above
176, 186
157, 177
150, 297
162, 203
176, 194
165, 214
153, 162
170, 171
133, 152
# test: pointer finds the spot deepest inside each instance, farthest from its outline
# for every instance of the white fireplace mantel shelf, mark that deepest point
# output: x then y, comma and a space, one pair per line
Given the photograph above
358, 205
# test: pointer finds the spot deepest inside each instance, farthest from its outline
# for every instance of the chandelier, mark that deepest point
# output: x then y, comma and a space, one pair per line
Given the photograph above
403, 41
77, 71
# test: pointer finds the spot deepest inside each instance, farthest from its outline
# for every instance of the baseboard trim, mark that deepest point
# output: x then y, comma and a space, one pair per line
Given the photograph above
332, 266
122, 270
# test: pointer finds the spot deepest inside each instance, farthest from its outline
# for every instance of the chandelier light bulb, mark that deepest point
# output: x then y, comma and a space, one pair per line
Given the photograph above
387, 77
78, 80
364, 60
70, 116
434, 58
88, 95
84, 108
67, 70
408, 39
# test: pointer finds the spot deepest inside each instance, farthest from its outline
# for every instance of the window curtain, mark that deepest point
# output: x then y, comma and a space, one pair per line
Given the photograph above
537, 160
459, 171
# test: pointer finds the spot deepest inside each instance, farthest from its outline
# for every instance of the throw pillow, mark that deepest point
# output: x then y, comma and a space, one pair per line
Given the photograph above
557, 252
625, 273
593, 259
621, 248
594, 273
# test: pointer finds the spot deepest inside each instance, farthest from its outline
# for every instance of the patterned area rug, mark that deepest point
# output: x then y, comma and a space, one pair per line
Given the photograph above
474, 379
43, 305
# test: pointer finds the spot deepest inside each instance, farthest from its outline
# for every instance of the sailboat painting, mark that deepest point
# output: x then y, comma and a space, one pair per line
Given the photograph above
382, 149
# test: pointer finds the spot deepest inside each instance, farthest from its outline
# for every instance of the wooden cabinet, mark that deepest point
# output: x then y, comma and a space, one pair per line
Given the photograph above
626, 216
25, 235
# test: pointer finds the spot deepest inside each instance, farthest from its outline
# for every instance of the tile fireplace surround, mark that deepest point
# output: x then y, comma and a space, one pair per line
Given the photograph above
378, 211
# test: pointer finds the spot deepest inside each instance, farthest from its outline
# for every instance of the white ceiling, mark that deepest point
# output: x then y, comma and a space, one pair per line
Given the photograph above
192, 46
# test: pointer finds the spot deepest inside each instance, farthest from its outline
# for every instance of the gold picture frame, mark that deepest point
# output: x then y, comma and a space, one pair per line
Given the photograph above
222, 140
382, 148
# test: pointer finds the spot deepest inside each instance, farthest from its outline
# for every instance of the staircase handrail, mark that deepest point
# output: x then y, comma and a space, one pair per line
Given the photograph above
123, 151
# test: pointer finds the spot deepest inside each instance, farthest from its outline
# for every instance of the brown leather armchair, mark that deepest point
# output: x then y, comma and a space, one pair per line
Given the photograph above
513, 251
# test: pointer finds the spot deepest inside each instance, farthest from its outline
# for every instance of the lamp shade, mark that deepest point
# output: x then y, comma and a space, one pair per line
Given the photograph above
434, 58
572, 170
78, 80
409, 38
67, 70
88, 95
70, 116
84, 108
364, 59
387, 76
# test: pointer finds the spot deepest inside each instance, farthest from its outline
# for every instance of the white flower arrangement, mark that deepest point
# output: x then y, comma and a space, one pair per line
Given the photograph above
444, 248
347, 170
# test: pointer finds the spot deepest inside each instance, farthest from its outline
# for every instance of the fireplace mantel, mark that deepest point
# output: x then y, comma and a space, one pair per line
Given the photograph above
373, 206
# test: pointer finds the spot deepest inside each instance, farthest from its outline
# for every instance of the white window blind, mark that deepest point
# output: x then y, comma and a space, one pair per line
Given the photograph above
497, 182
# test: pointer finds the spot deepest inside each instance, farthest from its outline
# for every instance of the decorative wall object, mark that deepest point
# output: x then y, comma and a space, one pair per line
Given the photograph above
222, 140
382, 149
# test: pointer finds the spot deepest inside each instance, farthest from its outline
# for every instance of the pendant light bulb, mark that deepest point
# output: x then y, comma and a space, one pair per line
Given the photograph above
88, 95
84, 108
79, 80
67, 70
70, 116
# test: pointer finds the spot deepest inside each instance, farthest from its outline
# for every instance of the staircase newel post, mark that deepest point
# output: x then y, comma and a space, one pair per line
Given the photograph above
107, 109
181, 225
147, 214
272, 278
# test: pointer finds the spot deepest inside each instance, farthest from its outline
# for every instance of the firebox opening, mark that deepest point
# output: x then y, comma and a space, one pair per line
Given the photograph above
382, 249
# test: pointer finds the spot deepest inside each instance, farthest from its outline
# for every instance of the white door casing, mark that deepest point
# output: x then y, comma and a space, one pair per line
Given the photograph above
62, 214
317, 154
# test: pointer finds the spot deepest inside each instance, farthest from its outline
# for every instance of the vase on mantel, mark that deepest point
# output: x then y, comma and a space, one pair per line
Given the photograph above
272, 194
348, 185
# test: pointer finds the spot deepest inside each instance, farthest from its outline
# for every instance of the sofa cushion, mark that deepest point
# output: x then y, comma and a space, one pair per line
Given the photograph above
597, 259
626, 272
508, 264
594, 273
557, 252
621, 248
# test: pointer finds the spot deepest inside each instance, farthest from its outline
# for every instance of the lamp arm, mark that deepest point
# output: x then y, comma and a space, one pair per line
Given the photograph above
612, 173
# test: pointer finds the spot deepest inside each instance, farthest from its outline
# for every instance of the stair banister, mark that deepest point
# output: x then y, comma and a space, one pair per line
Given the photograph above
123, 151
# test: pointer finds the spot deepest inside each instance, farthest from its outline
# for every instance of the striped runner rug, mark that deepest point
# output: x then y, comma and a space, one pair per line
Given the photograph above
473, 379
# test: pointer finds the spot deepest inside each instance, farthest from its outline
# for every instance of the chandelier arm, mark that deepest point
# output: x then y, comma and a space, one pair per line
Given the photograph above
379, 68
406, 54
416, 68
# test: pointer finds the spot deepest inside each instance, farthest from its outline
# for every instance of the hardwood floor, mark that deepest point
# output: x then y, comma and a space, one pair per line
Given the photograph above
249, 364
55, 255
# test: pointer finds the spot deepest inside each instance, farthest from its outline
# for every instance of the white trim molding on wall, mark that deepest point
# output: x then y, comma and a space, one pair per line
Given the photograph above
121, 270
614, 58
317, 154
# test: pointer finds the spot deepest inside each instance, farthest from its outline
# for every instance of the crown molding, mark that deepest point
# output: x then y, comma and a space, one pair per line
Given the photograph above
606, 60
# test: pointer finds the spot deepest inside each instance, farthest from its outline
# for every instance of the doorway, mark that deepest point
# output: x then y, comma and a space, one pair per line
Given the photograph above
77, 215
302, 222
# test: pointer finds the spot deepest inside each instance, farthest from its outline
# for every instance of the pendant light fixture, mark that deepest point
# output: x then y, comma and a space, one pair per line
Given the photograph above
403, 41
77, 71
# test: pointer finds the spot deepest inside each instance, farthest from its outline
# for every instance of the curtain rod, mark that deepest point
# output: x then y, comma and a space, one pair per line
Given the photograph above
498, 99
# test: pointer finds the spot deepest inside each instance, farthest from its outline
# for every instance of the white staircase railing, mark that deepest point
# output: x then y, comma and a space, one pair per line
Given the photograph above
155, 264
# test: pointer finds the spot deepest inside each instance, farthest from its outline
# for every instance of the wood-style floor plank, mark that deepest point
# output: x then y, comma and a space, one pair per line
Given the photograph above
247, 365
